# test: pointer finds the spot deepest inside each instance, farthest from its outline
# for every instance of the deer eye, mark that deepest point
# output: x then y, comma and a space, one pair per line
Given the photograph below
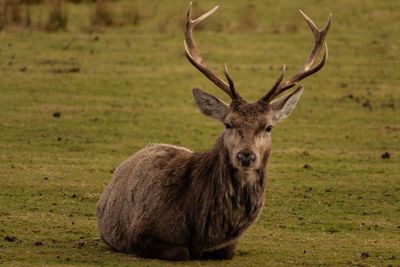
268, 128
227, 125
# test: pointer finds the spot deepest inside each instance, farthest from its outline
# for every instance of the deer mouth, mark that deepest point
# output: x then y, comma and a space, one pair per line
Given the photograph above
245, 166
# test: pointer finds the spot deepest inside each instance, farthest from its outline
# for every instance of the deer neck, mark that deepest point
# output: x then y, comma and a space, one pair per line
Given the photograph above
228, 200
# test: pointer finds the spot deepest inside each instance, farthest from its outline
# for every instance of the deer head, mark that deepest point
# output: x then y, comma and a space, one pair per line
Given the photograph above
247, 134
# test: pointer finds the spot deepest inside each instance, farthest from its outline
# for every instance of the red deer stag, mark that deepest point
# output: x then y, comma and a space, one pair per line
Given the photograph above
168, 202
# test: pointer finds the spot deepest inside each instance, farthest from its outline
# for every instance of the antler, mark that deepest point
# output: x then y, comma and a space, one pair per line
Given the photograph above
194, 56
308, 69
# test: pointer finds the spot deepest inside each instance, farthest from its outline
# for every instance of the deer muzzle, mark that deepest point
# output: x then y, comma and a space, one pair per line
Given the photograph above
246, 158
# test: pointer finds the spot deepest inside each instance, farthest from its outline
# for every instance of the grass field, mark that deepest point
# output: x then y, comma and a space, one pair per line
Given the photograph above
75, 103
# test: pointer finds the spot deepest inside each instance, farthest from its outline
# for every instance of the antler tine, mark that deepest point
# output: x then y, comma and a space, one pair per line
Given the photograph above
319, 36
276, 85
194, 57
305, 72
202, 17
231, 84
308, 68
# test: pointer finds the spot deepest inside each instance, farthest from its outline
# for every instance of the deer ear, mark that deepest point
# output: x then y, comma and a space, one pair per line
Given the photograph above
284, 105
209, 105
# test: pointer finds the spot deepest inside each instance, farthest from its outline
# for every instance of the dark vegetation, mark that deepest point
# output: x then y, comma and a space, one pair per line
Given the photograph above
16, 14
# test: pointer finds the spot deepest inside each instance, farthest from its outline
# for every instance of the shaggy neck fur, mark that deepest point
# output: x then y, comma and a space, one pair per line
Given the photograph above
225, 200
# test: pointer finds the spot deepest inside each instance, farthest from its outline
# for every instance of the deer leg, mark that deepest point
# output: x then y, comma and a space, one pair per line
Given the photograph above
226, 252
149, 247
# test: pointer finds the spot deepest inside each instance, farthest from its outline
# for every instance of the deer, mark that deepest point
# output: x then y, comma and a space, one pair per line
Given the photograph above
168, 202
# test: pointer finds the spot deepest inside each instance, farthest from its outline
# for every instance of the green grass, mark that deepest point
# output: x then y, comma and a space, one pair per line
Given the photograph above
133, 87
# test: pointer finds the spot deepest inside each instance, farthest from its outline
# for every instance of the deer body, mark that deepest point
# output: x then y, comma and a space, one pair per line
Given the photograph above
185, 190
171, 203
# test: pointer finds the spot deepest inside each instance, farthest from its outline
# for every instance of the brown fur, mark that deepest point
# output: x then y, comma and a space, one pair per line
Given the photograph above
168, 202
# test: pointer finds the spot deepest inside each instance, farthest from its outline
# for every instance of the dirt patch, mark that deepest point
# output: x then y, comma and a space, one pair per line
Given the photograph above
10, 238
350, 97
307, 166
81, 244
367, 104
392, 128
364, 255
67, 70
57, 114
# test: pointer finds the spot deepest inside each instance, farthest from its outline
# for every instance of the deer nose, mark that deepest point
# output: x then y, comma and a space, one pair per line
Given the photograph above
246, 157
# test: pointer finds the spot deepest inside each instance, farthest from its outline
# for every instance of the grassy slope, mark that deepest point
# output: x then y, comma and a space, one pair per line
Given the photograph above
133, 88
